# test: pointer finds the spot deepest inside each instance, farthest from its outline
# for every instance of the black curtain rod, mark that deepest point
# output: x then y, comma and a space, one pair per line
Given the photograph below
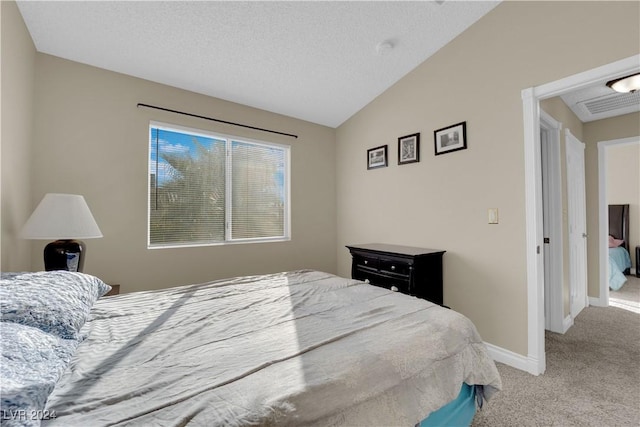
217, 120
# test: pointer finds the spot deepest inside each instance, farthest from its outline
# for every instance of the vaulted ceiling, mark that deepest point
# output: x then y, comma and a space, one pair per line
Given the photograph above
320, 61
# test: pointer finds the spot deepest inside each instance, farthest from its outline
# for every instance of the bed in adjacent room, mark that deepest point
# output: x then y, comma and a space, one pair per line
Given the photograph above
619, 255
294, 348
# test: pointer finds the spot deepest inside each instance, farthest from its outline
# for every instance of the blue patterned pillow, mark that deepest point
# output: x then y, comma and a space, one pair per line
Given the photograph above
57, 302
31, 364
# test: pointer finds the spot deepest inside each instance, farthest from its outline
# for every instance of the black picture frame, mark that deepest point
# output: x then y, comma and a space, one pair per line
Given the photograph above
451, 138
377, 157
409, 149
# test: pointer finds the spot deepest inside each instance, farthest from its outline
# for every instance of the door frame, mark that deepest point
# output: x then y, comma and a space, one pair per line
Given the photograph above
536, 358
603, 224
553, 253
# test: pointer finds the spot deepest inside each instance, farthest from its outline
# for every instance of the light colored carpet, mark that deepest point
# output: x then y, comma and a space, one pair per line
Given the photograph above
628, 296
592, 376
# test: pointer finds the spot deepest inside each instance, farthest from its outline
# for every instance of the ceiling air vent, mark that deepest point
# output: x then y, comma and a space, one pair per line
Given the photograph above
613, 102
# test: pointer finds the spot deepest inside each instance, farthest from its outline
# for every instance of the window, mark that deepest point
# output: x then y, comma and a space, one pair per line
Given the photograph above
209, 189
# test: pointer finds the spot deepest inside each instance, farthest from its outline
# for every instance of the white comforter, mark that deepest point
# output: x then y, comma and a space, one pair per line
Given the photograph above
297, 348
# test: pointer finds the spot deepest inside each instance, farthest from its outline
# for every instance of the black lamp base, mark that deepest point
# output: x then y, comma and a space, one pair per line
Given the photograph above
64, 255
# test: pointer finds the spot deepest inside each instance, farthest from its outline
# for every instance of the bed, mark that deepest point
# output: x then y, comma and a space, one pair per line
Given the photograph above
619, 255
294, 348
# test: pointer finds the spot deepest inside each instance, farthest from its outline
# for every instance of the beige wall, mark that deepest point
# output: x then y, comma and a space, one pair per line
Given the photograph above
91, 139
557, 109
442, 201
17, 86
623, 187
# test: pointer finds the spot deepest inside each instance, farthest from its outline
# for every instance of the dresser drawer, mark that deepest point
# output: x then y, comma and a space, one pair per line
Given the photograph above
367, 262
383, 281
394, 267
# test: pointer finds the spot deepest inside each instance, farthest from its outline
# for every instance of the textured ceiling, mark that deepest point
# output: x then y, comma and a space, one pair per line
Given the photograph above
315, 61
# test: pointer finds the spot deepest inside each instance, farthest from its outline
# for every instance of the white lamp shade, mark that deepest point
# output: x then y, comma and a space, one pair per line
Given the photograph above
61, 216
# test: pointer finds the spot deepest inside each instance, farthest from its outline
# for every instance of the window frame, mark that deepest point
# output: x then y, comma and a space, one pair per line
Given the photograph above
229, 139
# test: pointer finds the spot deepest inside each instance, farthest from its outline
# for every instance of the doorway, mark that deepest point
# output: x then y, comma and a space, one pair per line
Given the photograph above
603, 225
536, 361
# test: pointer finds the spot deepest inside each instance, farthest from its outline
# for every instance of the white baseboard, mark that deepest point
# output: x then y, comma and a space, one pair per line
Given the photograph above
597, 302
568, 322
515, 360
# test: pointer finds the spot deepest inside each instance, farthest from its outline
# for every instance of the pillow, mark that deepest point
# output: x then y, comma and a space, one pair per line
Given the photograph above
614, 243
57, 302
31, 363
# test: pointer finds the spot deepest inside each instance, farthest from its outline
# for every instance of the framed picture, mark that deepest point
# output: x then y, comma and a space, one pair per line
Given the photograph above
409, 149
452, 138
377, 157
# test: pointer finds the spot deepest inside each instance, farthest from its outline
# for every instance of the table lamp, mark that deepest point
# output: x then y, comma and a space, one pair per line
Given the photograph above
63, 217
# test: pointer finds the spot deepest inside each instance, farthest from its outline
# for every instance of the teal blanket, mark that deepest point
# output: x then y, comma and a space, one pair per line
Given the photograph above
619, 261
457, 413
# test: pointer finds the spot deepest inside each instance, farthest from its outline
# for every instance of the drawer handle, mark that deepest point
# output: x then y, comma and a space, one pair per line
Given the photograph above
393, 267
366, 262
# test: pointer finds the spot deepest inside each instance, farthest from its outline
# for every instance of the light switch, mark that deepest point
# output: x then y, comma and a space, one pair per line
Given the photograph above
493, 215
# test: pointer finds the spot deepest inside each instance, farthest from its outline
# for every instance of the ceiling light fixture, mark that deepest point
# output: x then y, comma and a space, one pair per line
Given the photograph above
626, 84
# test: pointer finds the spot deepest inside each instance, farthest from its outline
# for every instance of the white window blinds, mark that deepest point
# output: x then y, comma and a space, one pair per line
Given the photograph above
210, 189
258, 208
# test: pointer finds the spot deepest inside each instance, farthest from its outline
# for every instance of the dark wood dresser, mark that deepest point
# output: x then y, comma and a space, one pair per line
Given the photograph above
413, 271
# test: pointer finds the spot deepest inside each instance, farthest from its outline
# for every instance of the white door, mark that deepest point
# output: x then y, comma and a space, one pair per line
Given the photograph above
546, 252
577, 224
552, 223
